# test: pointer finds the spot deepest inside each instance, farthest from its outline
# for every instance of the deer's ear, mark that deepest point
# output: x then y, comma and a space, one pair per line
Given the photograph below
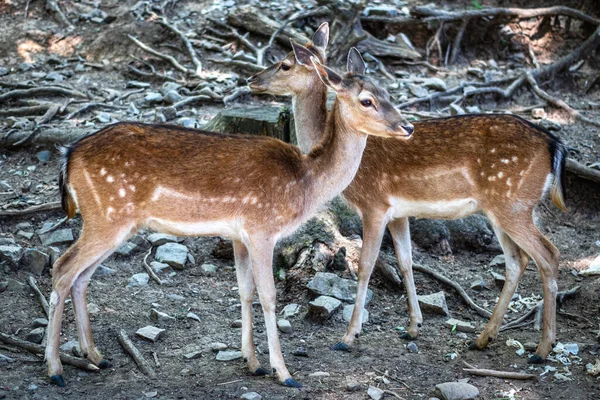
355, 64
302, 54
321, 37
327, 75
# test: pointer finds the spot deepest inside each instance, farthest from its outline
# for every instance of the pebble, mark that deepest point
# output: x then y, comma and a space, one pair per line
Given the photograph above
434, 303
150, 333
417, 90
435, 84
300, 352
250, 396
319, 374
498, 278
479, 284
160, 316
25, 235
290, 310
193, 355
530, 346
478, 72
34, 261
456, 391
187, 122
93, 308
193, 316
353, 386
103, 117
25, 66
228, 355
498, 261
175, 297
153, 97
284, 326
349, 309
412, 347
103, 271
10, 253
169, 86
323, 307
43, 156
71, 347
140, 279
15, 286
174, 254
329, 284
57, 238
217, 346
550, 125
137, 84
159, 267
173, 97
375, 393
158, 239
237, 323
39, 322
209, 269
6, 360
36, 335
3, 71
461, 326
54, 76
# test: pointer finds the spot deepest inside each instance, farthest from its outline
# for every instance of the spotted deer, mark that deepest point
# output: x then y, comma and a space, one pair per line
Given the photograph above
500, 165
253, 190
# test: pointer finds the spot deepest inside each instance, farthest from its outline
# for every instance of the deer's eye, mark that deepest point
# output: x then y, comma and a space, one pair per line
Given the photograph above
285, 67
366, 103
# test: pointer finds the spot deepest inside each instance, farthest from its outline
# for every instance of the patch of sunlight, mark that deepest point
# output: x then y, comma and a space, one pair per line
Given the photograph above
27, 48
64, 46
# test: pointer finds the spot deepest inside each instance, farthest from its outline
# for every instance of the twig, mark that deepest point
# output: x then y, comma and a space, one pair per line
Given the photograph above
497, 374
582, 171
155, 357
25, 111
238, 92
40, 91
391, 377
30, 135
186, 42
479, 310
53, 227
393, 394
423, 63
160, 55
38, 293
90, 106
139, 359
228, 382
149, 270
458, 40
37, 349
54, 206
241, 64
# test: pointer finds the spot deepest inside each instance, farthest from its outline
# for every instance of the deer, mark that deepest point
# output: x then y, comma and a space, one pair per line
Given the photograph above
496, 164
187, 182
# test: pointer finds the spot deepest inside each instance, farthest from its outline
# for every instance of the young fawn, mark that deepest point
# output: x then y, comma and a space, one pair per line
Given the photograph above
187, 182
500, 165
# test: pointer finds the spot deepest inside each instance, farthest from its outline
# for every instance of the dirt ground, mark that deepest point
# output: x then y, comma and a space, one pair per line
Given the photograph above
441, 352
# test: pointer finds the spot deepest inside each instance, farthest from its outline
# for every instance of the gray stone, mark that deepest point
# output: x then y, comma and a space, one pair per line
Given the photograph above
169, 86
290, 310
375, 393
173, 97
473, 109
300, 352
57, 238
456, 391
6, 360
499, 279
25, 235
34, 261
193, 316
53, 252
498, 261
150, 333
319, 374
323, 307
170, 113
103, 117
153, 97
412, 347
461, 326
174, 254
3, 71
71, 347
417, 90
44, 155
137, 244
349, 309
103, 271
250, 396
455, 109
435, 84
160, 316
36, 335
38, 322
140, 279
284, 326
158, 267
479, 284
15, 286
434, 303
328, 284
550, 125
93, 308
530, 346
217, 346
3, 286
478, 72
229, 355
4, 241
175, 297
54, 76
237, 323
158, 239
193, 355
187, 122
10, 253
209, 269
25, 66
353, 386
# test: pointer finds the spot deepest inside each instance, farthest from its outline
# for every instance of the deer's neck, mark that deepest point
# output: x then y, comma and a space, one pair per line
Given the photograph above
310, 115
333, 163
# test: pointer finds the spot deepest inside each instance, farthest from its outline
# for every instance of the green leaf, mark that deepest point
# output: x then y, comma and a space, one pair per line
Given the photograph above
477, 5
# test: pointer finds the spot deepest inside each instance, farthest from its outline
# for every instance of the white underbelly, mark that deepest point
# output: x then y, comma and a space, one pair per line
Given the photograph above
232, 229
443, 209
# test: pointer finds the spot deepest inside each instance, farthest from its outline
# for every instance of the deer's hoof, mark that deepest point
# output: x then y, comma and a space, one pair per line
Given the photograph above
535, 359
473, 345
260, 372
57, 380
340, 346
407, 336
291, 382
104, 364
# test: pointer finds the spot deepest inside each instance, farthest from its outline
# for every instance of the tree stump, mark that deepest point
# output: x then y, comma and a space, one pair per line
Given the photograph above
266, 121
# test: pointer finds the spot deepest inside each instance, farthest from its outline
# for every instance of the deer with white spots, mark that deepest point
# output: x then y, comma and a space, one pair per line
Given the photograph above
253, 190
500, 165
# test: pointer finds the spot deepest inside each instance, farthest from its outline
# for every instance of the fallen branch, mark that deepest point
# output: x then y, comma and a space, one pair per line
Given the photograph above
139, 359
40, 91
90, 106
160, 55
238, 92
479, 310
458, 40
54, 206
53, 6
582, 171
25, 111
240, 64
149, 269
497, 374
37, 349
38, 293
186, 42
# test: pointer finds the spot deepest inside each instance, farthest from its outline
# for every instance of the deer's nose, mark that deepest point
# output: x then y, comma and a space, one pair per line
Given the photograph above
250, 80
409, 128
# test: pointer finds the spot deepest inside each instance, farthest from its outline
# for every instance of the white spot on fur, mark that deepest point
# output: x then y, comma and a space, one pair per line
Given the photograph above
110, 179
508, 182
122, 192
493, 150
504, 160
515, 158
103, 172
109, 212
132, 188
500, 174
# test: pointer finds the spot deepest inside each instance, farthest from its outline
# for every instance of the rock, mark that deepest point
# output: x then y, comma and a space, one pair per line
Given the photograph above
173, 97
103, 271
160, 316
187, 122
349, 309
15, 286
43, 156
479, 284
34, 261
300, 352
461, 326
498, 261
417, 90
353, 386
237, 323
153, 97
290, 310
137, 244
25, 235
10, 253
150, 333
193, 355
530, 346
468, 89
284, 326
53, 252
39, 322
375, 393
478, 72
3, 286
328, 284
174, 254
455, 109
492, 63
57, 238
103, 117
36, 335
93, 308
435, 84
159, 267
175, 297
170, 113
140, 279
169, 86
592, 269
498, 278
158, 239
538, 113
323, 307
412, 347
71, 347
434, 303
4, 241
217, 346
319, 374
193, 316
338, 263
456, 391
229, 355
209, 269
3, 71
550, 125
250, 396
473, 109
54, 76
